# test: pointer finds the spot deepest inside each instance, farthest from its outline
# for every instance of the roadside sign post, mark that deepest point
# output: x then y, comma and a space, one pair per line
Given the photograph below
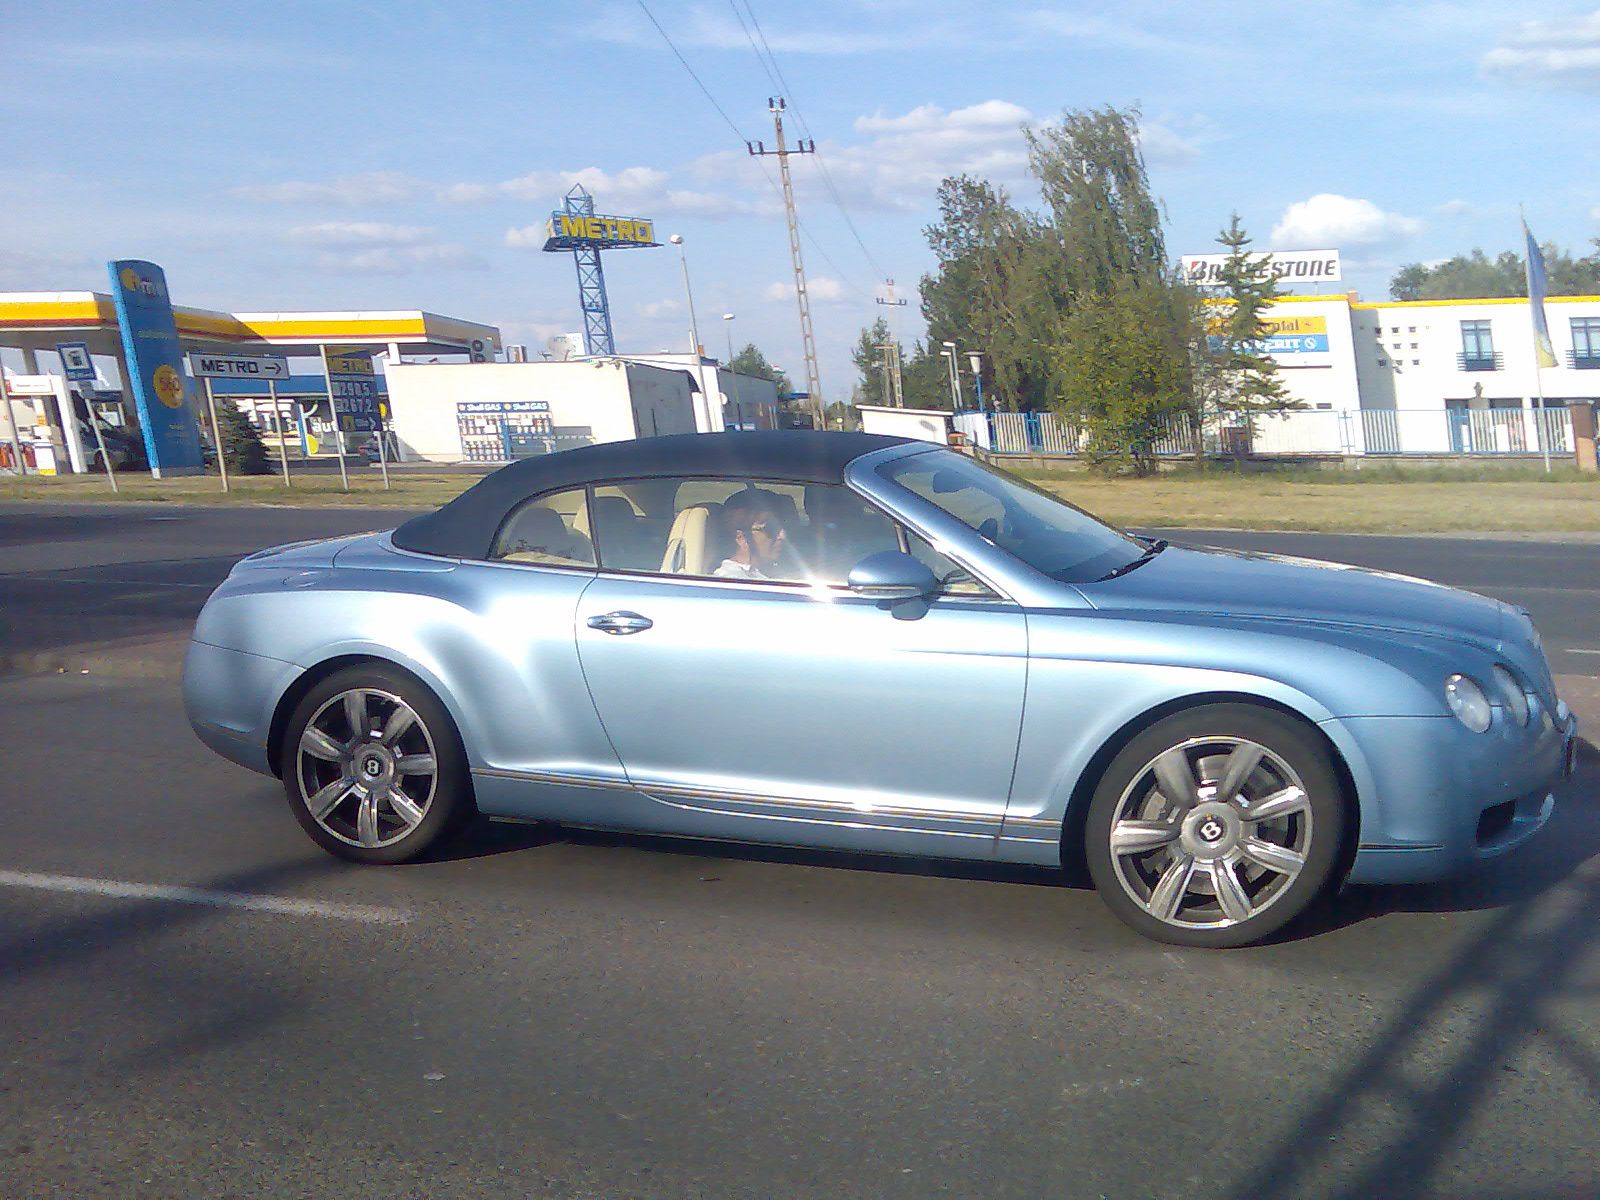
19, 464
216, 434
353, 396
268, 367
78, 364
283, 435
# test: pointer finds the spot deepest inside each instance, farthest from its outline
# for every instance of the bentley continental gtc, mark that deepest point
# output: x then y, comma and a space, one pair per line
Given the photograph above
877, 645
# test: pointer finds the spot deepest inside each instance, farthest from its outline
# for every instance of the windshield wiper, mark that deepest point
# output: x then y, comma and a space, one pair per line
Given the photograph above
1156, 547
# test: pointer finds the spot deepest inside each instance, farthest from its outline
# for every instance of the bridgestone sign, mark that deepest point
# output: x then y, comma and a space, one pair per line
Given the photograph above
1288, 267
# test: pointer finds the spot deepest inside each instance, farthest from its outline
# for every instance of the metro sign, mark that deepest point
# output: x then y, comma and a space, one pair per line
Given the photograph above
238, 366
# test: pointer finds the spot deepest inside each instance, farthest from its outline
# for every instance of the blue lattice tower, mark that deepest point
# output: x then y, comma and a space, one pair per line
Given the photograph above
576, 228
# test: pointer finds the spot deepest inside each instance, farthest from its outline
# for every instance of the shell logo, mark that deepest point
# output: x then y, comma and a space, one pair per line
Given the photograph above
168, 385
130, 279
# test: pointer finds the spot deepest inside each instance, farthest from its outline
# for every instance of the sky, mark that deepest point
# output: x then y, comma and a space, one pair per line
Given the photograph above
323, 155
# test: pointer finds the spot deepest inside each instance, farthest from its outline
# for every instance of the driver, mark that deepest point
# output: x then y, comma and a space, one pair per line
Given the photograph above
756, 532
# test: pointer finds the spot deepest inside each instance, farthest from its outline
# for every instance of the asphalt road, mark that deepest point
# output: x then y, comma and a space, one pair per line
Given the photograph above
585, 1016
595, 1017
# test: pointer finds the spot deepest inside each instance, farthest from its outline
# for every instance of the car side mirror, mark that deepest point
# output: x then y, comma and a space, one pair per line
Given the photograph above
891, 575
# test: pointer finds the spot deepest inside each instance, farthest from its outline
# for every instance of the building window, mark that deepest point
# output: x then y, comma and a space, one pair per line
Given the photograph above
1585, 354
1477, 347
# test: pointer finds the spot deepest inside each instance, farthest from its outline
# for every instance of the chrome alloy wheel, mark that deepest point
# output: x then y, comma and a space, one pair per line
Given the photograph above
1211, 832
366, 768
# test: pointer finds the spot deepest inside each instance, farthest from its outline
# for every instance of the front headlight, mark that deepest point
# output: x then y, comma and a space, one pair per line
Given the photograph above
1467, 701
1512, 693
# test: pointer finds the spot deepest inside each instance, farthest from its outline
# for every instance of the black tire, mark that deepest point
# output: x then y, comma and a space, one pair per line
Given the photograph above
1216, 826
374, 768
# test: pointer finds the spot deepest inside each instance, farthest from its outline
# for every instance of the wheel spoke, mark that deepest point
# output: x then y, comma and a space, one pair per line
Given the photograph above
328, 798
367, 820
414, 764
319, 744
1280, 804
355, 711
1135, 837
400, 720
1272, 856
1230, 894
405, 808
1168, 893
1241, 762
1176, 778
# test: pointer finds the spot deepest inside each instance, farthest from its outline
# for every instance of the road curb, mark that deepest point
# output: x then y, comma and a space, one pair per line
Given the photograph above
143, 658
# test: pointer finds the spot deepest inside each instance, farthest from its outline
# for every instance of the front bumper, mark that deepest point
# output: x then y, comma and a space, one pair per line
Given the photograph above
1438, 800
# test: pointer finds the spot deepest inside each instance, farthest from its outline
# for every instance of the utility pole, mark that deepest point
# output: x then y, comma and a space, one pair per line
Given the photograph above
775, 105
893, 349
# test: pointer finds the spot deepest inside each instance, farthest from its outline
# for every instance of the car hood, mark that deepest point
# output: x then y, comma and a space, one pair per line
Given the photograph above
1240, 583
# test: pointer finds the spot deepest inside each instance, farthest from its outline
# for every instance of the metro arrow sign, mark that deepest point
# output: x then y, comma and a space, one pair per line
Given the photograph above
238, 366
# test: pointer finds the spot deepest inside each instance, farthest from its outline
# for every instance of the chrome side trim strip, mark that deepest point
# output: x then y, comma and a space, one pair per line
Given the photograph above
869, 826
684, 797
843, 807
559, 779
1033, 822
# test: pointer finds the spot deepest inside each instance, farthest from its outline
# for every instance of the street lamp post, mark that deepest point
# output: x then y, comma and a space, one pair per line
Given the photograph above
727, 324
949, 353
976, 360
694, 332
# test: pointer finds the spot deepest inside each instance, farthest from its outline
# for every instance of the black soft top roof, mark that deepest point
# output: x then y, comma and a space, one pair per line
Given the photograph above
465, 527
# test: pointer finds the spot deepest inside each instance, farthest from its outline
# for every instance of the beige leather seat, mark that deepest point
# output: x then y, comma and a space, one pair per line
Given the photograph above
538, 534
693, 541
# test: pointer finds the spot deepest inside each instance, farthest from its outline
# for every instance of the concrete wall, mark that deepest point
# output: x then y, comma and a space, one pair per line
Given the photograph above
603, 400
926, 424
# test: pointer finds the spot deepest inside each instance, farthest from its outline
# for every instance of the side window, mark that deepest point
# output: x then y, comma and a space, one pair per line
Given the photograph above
629, 524
547, 529
838, 531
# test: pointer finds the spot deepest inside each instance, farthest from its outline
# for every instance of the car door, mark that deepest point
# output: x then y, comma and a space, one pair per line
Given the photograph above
793, 700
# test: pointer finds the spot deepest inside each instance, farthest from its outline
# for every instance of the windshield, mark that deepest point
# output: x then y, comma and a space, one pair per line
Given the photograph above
1044, 531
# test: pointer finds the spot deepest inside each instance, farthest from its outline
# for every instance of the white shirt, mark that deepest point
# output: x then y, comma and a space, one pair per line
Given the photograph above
732, 568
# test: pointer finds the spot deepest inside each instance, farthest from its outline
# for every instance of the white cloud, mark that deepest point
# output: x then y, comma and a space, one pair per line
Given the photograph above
1341, 223
628, 188
661, 308
401, 260
1561, 53
529, 237
371, 187
1455, 208
821, 289
1173, 140
356, 234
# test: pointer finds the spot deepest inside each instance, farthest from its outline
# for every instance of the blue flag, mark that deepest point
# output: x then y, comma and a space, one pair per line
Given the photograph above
1536, 289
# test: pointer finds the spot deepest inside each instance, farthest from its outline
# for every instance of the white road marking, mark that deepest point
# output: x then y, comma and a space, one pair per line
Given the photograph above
1576, 650
369, 914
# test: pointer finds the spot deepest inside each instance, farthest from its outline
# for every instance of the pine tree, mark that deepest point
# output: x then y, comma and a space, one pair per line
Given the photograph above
1233, 376
241, 445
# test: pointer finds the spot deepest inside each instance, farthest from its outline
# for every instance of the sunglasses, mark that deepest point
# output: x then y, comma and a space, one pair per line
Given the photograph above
771, 529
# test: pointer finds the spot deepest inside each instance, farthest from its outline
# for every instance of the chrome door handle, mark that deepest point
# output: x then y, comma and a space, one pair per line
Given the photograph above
620, 622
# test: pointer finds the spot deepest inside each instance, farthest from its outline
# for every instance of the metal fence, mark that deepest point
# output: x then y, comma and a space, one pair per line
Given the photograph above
1310, 432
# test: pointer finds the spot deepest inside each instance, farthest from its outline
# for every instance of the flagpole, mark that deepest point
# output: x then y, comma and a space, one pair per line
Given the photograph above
1542, 349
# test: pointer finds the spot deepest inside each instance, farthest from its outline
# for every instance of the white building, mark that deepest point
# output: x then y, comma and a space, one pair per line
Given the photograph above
492, 412
1429, 376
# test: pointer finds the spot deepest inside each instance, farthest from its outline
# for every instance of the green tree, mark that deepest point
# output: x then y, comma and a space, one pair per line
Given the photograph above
1231, 373
874, 386
1475, 276
996, 289
750, 361
241, 445
1121, 339
1123, 368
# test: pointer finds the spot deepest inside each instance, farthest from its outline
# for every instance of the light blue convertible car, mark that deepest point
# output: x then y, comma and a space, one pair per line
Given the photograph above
873, 644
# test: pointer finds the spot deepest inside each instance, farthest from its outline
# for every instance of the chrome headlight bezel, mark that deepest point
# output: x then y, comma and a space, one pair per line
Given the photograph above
1513, 693
1468, 702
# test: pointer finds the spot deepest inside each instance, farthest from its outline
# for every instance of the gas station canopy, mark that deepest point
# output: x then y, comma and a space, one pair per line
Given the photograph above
37, 321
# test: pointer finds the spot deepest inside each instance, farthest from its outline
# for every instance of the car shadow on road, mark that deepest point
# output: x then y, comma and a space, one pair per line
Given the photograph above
1390, 1122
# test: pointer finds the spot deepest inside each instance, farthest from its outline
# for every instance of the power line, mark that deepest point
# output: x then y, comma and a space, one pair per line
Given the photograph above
776, 72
